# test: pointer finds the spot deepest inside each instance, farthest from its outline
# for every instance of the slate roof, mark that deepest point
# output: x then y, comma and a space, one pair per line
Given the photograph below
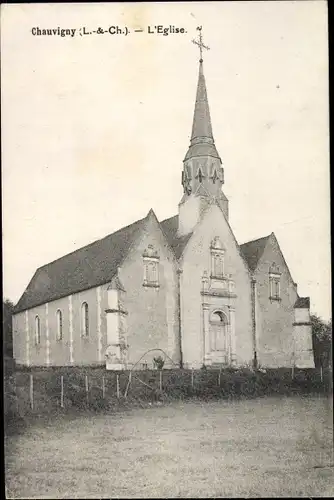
87, 267
202, 120
201, 142
97, 263
302, 303
90, 266
253, 250
178, 243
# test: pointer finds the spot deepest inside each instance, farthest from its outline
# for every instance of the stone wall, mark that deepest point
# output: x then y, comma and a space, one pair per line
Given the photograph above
197, 259
73, 348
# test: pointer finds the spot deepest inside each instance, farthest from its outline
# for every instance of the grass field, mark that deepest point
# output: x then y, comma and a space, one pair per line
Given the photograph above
265, 447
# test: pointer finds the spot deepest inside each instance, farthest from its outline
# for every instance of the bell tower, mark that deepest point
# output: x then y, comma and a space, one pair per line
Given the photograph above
203, 173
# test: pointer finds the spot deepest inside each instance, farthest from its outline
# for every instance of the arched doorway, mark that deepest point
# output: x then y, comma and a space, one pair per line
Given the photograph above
218, 336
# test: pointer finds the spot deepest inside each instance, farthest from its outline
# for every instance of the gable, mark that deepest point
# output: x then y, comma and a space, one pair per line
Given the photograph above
179, 243
214, 222
152, 229
273, 254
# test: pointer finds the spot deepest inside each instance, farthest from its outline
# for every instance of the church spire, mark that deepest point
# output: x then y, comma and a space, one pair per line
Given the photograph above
201, 142
202, 128
203, 174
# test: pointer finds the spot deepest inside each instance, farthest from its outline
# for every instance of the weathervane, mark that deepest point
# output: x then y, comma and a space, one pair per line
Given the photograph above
200, 43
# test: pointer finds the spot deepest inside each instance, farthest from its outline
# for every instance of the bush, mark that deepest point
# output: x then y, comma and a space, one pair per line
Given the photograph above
159, 362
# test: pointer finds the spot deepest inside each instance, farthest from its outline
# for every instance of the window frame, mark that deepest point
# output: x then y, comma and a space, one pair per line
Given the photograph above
217, 259
85, 320
151, 262
59, 317
218, 265
37, 330
219, 318
275, 285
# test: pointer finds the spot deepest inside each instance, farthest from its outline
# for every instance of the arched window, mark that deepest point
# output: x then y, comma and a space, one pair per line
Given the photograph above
37, 330
151, 273
218, 327
218, 317
85, 319
59, 325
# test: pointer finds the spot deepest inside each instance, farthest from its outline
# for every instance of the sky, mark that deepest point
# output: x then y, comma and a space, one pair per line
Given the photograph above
95, 127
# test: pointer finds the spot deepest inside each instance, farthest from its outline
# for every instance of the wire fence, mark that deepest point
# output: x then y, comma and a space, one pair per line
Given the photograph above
44, 391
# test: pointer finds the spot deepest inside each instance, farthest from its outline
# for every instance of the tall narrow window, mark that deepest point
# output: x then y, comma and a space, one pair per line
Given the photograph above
218, 265
151, 267
274, 282
59, 325
37, 330
151, 272
84, 320
275, 292
217, 258
277, 288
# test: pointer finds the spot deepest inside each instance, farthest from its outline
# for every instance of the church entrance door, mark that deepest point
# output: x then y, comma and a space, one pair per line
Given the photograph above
218, 337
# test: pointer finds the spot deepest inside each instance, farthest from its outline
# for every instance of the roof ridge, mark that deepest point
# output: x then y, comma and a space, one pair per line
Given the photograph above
168, 218
256, 239
92, 243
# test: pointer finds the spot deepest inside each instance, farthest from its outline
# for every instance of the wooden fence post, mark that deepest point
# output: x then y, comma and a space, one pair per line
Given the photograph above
103, 388
128, 385
160, 380
86, 380
219, 375
117, 385
192, 377
17, 399
31, 391
62, 391
321, 374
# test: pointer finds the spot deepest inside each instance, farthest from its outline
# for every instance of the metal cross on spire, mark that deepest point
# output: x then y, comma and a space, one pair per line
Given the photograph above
200, 43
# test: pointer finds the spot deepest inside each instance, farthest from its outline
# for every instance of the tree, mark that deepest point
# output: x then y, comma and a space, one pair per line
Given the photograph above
7, 333
322, 341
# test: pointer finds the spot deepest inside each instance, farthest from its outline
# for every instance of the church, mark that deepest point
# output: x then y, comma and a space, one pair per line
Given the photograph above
182, 288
